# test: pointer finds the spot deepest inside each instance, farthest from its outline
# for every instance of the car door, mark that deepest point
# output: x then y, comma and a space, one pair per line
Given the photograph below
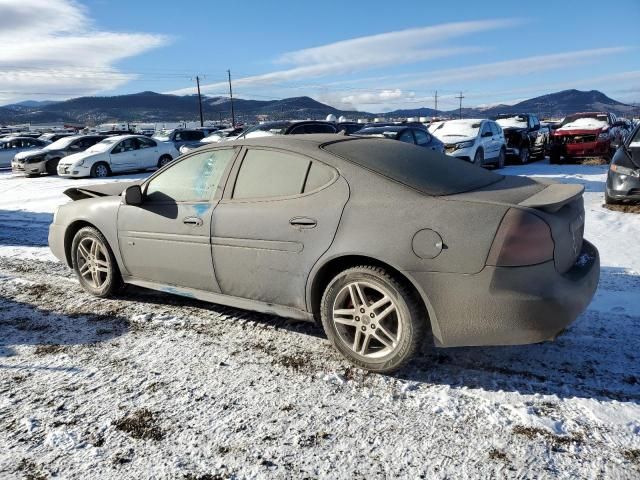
487, 140
167, 239
279, 214
123, 155
148, 153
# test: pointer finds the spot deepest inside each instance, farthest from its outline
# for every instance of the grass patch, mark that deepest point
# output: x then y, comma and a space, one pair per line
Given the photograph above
555, 440
42, 350
495, 454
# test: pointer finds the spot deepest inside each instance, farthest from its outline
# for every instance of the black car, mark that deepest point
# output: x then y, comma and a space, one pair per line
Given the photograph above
287, 127
45, 160
623, 179
408, 134
349, 128
526, 137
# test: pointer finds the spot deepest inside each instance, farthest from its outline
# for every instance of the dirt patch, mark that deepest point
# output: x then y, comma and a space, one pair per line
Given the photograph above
495, 454
52, 349
624, 207
38, 289
633, 456
555, 440
142, 424
592, 161
30, 470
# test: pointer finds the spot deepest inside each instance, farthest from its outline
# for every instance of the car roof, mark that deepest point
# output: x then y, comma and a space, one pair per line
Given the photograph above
387, 128
6, 139
123, 137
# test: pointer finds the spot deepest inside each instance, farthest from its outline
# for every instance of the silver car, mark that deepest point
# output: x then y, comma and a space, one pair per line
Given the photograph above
10, 146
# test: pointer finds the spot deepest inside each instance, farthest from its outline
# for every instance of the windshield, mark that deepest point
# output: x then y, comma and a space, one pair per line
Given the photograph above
425, 170
61, 144
103, 145
589, 121
517, 121
457, 128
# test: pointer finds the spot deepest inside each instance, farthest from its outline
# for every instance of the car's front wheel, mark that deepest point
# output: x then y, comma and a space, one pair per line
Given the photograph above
100, 170
164, 160
524, 155
478, 158
372, 318
501, 158
94, 263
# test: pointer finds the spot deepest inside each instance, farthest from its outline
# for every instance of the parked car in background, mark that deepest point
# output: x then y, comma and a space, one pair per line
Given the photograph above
215, 137
287, 127
623, 178
45, 160
10, 146
583, 135
526, 138
478, 141
117, 154
348, 127
284, 226
54, 136
414, 135
180, 136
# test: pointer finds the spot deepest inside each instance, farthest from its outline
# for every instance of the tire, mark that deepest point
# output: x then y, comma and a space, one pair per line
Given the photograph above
610, 201
94, 263
100, 170
501, 159
524, 155
478, 158
554, 156
52, 166
370, 340
164, 160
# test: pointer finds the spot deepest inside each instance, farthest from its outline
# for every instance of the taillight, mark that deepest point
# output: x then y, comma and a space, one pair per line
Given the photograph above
522, 239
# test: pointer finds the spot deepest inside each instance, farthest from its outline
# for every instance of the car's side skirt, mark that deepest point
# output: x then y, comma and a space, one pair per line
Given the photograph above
222, 299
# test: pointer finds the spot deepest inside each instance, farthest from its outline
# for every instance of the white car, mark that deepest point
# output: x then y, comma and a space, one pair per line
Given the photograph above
10, 146
478, 141
121, 153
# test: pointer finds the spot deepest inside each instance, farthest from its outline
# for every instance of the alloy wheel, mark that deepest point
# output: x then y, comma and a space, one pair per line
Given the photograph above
367, 319
93, 262
102, 171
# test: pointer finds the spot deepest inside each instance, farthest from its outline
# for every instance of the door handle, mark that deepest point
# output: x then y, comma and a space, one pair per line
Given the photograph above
303, 222
193, 221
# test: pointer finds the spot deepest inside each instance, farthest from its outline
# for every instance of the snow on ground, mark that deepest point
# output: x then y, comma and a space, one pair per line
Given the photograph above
155, 386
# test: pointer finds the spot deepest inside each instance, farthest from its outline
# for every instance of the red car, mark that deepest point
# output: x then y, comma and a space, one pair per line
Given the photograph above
582, 135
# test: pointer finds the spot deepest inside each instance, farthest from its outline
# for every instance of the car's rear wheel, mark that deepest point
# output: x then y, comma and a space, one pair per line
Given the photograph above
501, 158
52, 166
478, 158
610, 201
164, 160
100, 170
372, 318
524, 155
94, 263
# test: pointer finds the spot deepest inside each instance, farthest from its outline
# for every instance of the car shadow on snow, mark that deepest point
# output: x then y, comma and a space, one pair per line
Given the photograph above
597, 357
50, 332
23, 228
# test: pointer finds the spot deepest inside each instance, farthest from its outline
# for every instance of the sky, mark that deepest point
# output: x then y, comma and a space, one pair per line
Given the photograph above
372, 56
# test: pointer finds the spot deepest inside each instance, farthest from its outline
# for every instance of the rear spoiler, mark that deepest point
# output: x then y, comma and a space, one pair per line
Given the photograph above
100, 190
554, 197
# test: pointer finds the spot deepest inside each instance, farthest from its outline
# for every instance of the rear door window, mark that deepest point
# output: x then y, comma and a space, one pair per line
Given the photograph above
422, 137
406, 137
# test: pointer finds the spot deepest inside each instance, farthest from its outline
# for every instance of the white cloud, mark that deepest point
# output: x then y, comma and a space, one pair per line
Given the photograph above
50, 49
358, 54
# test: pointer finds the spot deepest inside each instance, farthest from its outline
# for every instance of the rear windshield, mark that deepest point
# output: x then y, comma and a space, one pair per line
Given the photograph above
425, 170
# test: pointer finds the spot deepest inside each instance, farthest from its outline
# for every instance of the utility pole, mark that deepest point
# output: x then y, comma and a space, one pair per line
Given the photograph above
233, 116
436, 99
460, 97
200, 101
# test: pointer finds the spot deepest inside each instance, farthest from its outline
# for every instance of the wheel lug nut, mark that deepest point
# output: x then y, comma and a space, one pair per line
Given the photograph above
372, 315
373, 325
362, 310
363, 328
357, 319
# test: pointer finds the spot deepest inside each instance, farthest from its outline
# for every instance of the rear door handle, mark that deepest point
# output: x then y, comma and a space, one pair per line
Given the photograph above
193, 221
303, 222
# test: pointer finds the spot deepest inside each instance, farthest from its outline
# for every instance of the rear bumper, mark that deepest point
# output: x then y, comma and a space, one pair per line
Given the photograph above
510, 305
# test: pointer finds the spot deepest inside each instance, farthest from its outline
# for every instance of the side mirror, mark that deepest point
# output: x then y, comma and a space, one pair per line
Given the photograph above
133, 195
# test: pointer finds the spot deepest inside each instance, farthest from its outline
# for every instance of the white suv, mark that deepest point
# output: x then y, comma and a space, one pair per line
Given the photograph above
478, 141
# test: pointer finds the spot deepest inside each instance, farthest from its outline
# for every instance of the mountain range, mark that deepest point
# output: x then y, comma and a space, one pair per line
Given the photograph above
151, 107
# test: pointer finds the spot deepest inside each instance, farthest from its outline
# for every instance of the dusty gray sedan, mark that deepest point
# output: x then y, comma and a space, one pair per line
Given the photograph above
379, 240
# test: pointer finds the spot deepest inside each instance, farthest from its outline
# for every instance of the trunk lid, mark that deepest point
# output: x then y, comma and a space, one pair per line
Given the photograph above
560, 205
